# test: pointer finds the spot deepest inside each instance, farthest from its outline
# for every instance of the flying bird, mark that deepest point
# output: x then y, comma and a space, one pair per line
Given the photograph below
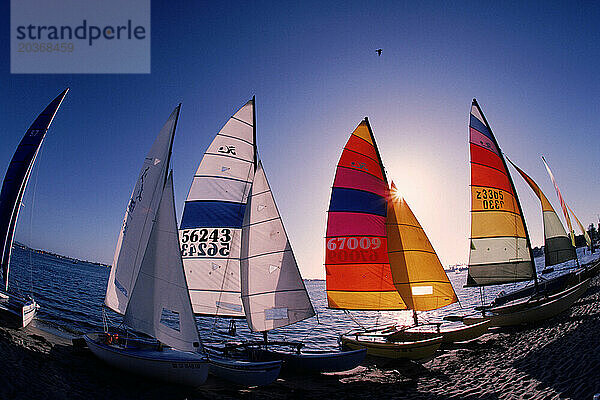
378, 51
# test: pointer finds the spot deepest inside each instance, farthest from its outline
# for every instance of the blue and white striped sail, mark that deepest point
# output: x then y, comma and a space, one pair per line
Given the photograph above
139, 215
17, 176
273, 293
211, 226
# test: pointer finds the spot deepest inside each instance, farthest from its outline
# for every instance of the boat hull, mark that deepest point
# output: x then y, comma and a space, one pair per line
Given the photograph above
17, 310
244, 373
168, 364
418, 350
524, 313
315, 362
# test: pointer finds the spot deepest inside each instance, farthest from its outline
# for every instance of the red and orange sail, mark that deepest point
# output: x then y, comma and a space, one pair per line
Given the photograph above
356, 258
500, 247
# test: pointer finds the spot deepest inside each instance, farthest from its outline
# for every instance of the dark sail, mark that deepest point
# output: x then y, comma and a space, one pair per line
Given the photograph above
17, 176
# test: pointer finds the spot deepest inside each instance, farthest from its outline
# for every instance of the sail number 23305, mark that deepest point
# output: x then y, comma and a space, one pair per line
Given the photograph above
205, 242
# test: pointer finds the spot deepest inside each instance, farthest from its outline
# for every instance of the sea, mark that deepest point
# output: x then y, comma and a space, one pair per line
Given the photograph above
71, 293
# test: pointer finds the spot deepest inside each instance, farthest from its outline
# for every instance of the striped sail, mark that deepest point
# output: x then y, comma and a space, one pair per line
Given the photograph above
17, 175
273, 293
557, 245
500, 249
139, 216
159, 304
416, 269
357, 267
563, 205
211, 226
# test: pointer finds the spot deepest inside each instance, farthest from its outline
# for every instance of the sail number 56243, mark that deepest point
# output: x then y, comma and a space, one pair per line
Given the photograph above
205, 242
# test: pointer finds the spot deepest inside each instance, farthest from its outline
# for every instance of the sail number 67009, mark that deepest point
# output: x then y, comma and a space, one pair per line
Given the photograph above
205, 242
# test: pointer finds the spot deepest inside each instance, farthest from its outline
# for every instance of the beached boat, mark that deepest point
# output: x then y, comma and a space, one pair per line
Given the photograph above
500, 250
210, 235
147, 283
379, 258
19, 309
273, 292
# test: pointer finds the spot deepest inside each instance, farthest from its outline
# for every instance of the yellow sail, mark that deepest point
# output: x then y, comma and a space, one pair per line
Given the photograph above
585, 234
416, 269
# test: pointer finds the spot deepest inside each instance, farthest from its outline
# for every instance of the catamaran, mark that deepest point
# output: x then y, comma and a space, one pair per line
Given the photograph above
238, 258
17, 308
379, 258
147, 284
500, 250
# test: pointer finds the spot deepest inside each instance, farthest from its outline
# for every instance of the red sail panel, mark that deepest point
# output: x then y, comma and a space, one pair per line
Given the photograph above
356, 260
500, 249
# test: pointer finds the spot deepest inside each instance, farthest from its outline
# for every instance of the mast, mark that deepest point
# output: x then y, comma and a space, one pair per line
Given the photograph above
516, 198
17, 176
376, 150
177, 109
254, 131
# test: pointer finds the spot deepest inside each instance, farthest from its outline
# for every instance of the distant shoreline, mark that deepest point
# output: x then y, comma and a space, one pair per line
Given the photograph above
49, 253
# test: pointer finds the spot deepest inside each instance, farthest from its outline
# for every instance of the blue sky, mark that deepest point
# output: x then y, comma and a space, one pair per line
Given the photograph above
312, 65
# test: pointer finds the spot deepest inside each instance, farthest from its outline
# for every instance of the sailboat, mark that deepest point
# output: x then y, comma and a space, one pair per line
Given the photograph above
273, 292
147, 284
379, 258
210, 234
500, 250
17, 308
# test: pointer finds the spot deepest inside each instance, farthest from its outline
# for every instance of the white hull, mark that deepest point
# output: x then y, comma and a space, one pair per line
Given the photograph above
168, 364
523, 313
17, 310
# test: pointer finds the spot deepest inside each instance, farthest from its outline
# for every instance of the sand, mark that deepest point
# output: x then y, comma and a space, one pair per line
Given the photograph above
558, 358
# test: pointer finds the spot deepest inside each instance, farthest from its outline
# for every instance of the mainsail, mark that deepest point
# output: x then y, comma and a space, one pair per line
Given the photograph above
211, 226
17, 175
416, 269
500, 247
139, 214
356, 262
273, 293
159, 304
557, 245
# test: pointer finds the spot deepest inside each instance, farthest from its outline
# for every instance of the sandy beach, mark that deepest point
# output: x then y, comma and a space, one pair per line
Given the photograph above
555, 359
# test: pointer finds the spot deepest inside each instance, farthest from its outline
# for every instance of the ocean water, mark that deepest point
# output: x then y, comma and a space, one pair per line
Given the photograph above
71, 294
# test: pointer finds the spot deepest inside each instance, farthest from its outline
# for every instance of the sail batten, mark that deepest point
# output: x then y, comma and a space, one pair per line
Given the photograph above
272, 291
211, 226
17, 176
416, 269
500, 250
358, 274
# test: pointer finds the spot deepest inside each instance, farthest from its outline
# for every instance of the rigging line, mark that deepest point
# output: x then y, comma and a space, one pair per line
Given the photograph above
355, 320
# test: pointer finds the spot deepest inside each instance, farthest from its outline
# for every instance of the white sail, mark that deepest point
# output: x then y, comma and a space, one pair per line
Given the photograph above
140, 213
273, 293
159, 304
211, 226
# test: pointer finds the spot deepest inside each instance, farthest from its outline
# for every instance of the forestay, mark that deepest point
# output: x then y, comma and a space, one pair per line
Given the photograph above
416, 269
17, 175
139, 215
557, 245
357, 267
500, 248
211, 226
273, 293
159, 304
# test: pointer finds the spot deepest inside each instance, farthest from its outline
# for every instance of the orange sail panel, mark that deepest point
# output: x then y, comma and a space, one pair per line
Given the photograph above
356, 260
500, 249
588, 241
557, 245
417, 271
